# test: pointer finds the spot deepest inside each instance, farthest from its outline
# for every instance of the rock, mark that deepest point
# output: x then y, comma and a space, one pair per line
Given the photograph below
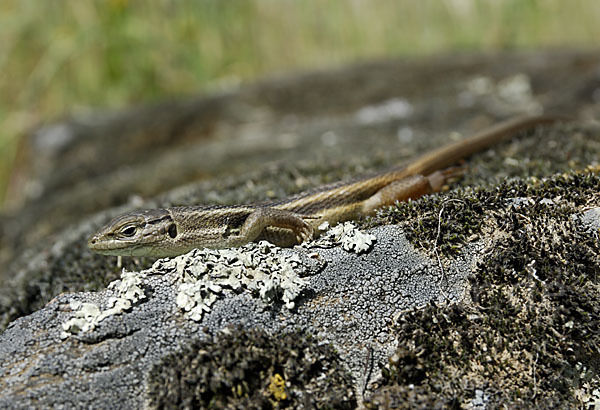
349, 301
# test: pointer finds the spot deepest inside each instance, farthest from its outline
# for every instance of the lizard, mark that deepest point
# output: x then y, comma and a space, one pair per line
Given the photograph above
167, 232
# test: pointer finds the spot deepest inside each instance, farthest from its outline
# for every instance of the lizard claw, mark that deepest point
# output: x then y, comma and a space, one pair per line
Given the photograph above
305, 233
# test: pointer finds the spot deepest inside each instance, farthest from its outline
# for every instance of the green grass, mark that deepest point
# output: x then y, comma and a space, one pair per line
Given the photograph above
63, 57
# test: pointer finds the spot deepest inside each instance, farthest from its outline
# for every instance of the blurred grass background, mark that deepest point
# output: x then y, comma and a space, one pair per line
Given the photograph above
64, 57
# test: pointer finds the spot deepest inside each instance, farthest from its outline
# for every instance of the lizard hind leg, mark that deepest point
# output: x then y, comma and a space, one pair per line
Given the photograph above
411, 187
282, 228
439, 179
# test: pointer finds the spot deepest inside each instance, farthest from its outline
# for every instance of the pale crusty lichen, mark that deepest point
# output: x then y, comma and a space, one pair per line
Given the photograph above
344, 234
128, 291
262, 269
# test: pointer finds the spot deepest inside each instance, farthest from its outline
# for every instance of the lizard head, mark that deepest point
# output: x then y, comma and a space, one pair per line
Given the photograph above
134, 234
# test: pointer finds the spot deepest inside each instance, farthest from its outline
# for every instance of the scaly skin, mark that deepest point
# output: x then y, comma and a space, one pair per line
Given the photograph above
174, 231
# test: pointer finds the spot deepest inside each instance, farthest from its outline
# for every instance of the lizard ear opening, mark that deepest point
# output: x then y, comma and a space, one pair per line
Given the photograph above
172, 231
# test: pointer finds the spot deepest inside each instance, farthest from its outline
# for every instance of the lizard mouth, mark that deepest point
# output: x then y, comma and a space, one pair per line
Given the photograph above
107, 246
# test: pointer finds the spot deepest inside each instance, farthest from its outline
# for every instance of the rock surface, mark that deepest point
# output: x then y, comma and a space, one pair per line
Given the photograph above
350, 302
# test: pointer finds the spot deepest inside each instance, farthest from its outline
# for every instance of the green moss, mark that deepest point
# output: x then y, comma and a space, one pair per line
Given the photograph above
530, 336
248, 369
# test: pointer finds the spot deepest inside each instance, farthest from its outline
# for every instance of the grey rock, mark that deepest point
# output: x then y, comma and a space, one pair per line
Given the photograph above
350, 302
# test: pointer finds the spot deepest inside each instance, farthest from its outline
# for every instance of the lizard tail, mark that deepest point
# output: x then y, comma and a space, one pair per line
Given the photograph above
452, 153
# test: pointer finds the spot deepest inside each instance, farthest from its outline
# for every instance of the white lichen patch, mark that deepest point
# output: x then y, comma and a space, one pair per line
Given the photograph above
262, 269
346, 235
128, 290
589, 219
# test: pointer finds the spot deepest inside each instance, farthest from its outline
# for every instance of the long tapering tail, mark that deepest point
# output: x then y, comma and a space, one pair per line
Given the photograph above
452, 153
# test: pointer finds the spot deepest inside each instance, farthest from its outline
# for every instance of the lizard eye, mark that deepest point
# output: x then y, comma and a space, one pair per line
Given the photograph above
172, 231
128, 230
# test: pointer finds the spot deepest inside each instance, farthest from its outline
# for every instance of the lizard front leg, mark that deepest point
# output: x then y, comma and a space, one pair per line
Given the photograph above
264, 222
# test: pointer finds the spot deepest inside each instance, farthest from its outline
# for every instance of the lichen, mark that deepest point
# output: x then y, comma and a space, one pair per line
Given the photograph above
204, 276
128, 290
265, 270
277, 387
345, 235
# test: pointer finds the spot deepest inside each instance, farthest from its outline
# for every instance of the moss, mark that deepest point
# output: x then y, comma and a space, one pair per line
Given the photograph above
529, 337
251, 369
447, 220
461, 215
